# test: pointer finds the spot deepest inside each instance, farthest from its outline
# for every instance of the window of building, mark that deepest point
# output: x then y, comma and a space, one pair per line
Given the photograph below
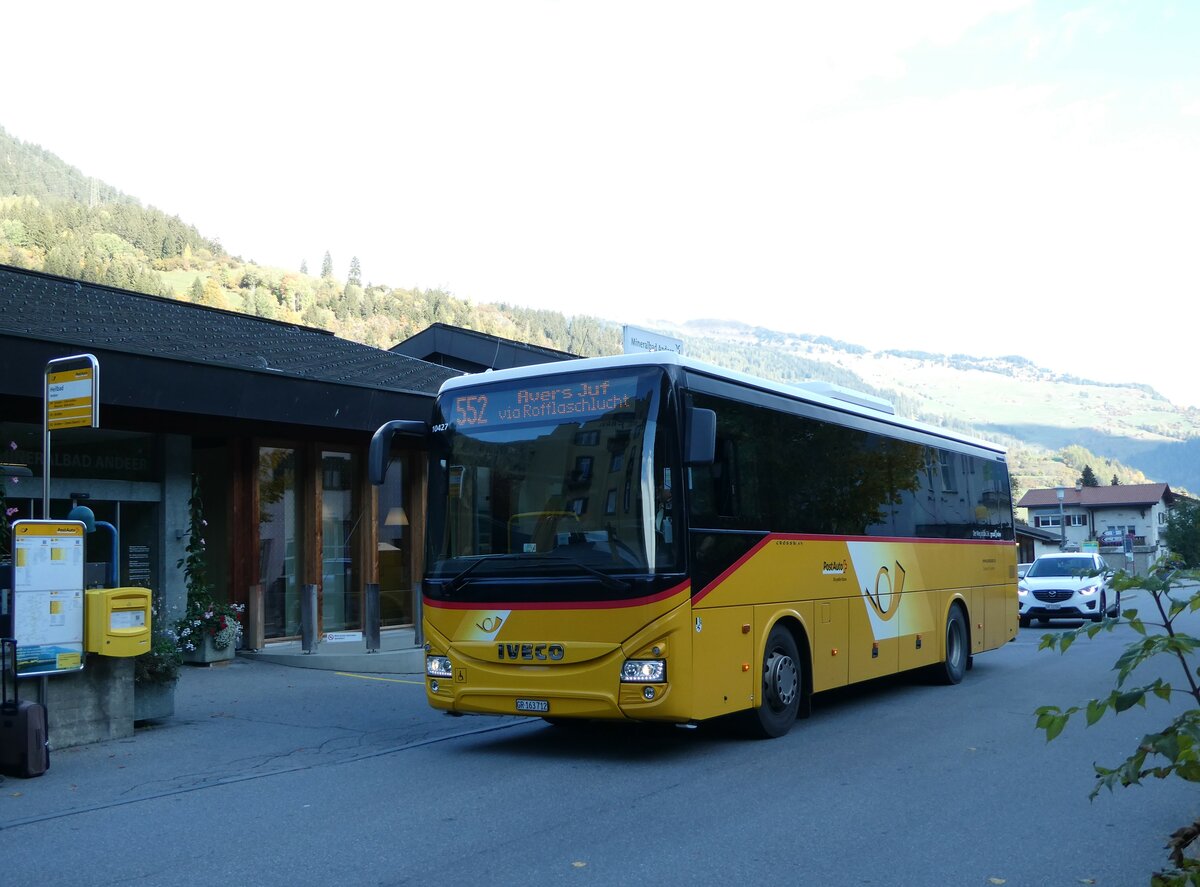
341, 568
280, 541
395, 534
946, 460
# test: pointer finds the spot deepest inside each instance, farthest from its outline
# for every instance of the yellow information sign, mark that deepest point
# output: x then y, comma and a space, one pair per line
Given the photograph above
71, 398
48, 595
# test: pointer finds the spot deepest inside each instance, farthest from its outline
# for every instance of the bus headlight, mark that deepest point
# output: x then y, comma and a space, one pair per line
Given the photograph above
438, 666
644, 671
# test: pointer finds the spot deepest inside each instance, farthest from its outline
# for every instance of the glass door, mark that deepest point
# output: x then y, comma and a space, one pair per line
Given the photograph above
395, 534
341, 595
280, 544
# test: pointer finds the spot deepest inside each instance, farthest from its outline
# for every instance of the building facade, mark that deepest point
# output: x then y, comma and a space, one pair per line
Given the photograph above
1106, 516
270, 420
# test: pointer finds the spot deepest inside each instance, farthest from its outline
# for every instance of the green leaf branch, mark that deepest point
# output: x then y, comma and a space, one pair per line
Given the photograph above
1173, 750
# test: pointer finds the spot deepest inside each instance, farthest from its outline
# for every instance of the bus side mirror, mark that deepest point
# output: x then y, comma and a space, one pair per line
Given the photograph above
380, 454
701, 431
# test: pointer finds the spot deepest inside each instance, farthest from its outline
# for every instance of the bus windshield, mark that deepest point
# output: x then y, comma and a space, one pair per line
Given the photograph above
557, 475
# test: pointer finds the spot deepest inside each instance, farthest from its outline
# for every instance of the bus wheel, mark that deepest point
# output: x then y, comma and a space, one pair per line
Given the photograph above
781, 686
955, 666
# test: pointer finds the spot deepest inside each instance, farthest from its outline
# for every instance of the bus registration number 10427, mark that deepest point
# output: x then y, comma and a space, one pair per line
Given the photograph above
538, 705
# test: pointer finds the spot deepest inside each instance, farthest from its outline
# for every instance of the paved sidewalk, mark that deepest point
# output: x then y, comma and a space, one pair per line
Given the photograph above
234, 722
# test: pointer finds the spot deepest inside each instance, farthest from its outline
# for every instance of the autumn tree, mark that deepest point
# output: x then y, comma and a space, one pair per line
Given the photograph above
1182, 534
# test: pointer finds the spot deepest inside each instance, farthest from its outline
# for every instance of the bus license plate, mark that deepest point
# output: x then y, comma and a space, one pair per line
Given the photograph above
538, 705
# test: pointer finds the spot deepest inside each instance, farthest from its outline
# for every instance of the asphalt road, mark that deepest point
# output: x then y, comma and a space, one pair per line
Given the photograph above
273, 775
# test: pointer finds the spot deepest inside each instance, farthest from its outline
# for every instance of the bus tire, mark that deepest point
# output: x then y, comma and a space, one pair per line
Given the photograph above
781, 687
954, 666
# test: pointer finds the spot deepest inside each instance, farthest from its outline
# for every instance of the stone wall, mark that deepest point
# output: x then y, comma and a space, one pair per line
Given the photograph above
86, 706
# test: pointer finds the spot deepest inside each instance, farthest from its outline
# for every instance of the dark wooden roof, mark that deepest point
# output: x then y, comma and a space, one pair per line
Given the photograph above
1023, 529
1123, 495
472, 351
163, 354
88, 315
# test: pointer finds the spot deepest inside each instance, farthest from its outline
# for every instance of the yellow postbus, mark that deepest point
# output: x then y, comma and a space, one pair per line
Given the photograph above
652, 538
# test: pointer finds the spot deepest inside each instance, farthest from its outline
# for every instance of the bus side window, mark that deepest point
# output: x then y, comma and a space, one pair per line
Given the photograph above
712, 487
724, 472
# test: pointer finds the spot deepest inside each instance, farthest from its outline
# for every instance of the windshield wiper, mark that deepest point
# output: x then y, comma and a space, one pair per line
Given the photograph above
611, 582
460, 579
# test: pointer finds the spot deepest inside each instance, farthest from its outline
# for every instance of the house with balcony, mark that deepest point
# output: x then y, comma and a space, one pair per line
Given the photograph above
1106, 516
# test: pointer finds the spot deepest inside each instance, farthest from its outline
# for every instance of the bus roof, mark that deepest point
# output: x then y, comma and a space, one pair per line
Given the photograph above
823, 394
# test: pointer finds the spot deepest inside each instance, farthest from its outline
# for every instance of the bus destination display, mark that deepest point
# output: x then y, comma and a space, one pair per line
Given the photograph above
575, 400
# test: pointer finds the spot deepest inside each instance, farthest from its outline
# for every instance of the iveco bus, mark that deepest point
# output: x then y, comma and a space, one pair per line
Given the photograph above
648, 537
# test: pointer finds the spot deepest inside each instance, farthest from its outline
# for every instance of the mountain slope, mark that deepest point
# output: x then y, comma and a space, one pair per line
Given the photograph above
1007, 399
55, 218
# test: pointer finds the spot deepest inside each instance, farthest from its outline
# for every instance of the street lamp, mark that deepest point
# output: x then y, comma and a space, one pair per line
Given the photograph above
1061, 492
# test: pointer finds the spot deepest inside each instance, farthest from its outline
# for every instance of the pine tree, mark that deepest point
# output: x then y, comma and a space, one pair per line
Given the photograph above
355, 278
1116, 481
1089, 478
327, 265
304, 266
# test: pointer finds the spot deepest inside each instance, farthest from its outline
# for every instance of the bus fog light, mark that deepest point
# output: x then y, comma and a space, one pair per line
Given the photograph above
433, 686
644, 671
438, 666
648, 692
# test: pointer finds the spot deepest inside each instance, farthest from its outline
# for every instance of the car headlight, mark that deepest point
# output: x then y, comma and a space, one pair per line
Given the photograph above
1022, 590
1089, 590
438, 667
644, 671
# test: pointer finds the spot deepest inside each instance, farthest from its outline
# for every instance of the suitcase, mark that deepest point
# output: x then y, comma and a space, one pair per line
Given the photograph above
24, 741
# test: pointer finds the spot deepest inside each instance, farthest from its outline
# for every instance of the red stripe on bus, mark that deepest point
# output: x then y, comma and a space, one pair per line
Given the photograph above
812, 537
732, 568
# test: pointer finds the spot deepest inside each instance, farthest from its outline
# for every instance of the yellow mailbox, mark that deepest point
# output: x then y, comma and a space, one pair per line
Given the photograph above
117, 621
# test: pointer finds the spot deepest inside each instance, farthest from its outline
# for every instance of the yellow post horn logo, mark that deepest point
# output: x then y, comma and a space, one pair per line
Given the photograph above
886, 603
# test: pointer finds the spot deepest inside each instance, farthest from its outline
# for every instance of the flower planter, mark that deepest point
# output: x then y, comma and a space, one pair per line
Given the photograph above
153, 701
206, 653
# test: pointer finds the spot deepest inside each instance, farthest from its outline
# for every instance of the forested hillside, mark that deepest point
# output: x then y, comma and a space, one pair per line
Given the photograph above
54, 218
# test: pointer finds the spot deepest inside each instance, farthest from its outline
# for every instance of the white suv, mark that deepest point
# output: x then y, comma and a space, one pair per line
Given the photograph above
1067, 586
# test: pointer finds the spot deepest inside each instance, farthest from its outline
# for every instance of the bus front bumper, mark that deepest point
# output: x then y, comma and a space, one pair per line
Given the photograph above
587, 691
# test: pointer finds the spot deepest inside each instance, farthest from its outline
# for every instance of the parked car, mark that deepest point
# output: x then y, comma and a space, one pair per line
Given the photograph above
1022, 569
1111, 537
1067, 586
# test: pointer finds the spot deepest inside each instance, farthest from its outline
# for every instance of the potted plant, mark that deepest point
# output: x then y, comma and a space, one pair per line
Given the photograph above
209, 630
8, 513
155, 674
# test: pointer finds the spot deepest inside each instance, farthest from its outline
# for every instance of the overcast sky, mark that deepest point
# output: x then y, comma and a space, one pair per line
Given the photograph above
991, 177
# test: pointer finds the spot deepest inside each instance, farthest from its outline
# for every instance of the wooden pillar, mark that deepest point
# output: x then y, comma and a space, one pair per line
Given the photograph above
255, 638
